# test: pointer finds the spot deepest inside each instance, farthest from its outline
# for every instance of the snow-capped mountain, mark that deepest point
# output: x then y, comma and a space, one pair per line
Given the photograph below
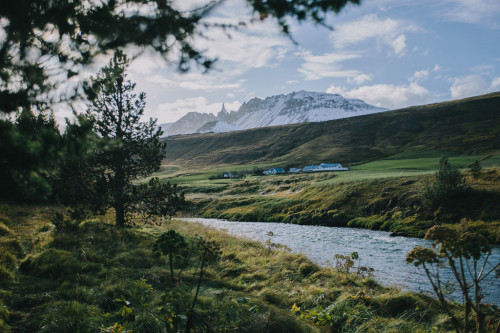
296, 107
217, 127
189, 123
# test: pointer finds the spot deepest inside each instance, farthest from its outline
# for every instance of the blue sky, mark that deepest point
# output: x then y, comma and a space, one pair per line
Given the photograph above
390, 53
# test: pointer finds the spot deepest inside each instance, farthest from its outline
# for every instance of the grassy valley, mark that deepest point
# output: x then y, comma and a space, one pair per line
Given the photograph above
392, 157
61, 272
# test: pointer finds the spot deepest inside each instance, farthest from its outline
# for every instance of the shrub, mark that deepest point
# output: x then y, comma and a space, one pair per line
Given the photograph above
475, 169
447, 188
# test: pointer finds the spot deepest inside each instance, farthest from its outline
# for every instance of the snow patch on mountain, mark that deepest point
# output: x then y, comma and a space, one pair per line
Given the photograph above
296, 107
218, 126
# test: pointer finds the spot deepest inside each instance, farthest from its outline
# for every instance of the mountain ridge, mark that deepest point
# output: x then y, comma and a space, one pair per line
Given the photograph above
466, 126
295, 107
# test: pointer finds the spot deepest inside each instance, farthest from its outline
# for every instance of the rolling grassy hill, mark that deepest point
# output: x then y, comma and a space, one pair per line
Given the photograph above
464, 127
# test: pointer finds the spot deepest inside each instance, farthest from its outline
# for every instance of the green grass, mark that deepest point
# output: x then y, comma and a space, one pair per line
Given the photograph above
383, 190
78, 280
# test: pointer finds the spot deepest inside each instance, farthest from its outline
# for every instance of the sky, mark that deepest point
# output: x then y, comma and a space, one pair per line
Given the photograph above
389, 53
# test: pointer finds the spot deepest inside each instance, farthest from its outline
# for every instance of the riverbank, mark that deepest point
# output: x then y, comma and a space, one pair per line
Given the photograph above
391, 204
90, 276
377, 250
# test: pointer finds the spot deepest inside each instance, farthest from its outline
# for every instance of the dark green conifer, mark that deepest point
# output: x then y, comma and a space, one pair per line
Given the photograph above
128, 148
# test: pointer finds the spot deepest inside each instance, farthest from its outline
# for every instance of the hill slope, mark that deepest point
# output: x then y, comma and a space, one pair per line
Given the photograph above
464, 126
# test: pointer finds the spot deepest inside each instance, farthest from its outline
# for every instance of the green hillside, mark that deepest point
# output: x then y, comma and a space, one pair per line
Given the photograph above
463, 127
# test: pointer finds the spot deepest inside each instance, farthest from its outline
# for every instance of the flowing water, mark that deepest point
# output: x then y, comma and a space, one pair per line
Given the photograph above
376, 249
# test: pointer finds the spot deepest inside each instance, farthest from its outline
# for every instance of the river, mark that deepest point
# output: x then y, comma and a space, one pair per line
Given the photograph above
376, 249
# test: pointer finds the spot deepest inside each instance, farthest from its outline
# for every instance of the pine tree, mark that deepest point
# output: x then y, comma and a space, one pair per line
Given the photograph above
128, 148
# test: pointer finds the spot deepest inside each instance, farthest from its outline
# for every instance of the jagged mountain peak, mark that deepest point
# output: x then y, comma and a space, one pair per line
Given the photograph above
296, 107
223, 112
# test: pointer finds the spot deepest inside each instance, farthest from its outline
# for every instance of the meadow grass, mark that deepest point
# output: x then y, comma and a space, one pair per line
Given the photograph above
84, 276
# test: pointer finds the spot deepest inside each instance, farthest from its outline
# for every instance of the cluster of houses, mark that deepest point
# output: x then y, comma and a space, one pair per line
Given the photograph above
309, 168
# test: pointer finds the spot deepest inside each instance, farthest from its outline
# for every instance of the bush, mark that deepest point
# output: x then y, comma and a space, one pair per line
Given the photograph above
475, 169
447, 188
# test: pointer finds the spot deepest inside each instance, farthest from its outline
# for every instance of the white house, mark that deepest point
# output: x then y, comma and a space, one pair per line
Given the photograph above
274, 171
325, 167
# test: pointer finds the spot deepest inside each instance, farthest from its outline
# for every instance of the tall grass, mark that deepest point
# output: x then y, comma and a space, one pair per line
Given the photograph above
93, 275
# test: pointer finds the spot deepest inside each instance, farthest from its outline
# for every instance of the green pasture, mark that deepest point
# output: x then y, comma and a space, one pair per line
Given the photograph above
412, 163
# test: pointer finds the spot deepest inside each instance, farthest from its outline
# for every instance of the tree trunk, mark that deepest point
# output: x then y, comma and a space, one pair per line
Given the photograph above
120, 215
120, 197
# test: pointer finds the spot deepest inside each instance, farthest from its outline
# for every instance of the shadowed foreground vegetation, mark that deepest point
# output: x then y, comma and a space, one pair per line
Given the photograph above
91, 276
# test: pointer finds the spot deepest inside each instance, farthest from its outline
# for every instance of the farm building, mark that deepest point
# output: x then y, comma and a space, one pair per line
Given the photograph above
274, 171
325, 167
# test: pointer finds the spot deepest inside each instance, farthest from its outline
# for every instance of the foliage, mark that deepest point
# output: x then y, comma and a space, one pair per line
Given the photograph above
342, 316
29, 154
344, 263
448, 187
69, 34
475, 169
208, 251
247, 288
173, 245
127, 149
466, 253
75, 181
158, 199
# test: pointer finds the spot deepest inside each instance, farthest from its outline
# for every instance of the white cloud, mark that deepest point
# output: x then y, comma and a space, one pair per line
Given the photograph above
194, 81
387, 95
389, 32
360, 79
170, 112
419, 76
495, 84
468, 86
399, 44
145, 61
484, 12
255, 46
327, 65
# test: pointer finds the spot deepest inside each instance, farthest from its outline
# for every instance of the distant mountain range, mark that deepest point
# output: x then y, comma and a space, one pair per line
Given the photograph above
296, 107
464, 127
